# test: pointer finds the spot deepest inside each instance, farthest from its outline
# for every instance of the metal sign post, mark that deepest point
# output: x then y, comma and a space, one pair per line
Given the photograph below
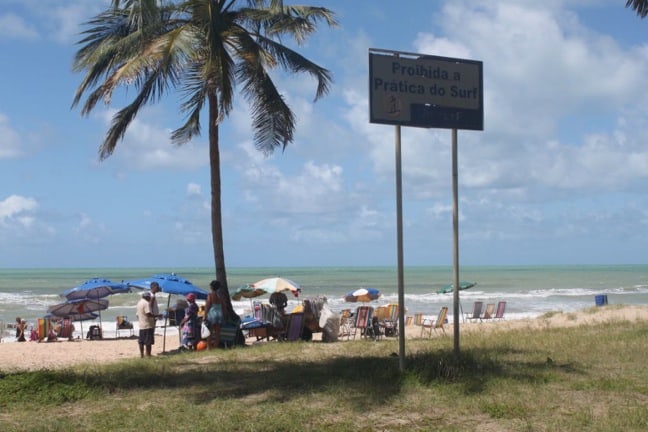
455, 238
401, 272
408, 89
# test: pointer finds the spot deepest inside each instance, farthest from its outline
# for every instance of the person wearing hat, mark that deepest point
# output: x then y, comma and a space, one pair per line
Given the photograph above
189, 325
146, 320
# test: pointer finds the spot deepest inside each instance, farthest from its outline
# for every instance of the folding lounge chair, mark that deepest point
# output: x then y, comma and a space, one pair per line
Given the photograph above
418, 321
66, 329
256, 327
362, 322
501, 307
271, 317
489, 311
43, 328
295, 327
229, 334
477, 312
345, 324
389, 324
433, 325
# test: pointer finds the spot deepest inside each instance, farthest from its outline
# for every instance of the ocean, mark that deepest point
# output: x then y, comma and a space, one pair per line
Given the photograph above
528, 290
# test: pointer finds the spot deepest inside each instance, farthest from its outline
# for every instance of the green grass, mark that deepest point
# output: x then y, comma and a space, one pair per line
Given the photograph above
590, 378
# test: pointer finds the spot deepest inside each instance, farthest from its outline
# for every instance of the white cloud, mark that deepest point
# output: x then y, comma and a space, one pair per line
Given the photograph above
193, 189
13, 26
88, 230
9, 141
15, 206
541, 66
146, 146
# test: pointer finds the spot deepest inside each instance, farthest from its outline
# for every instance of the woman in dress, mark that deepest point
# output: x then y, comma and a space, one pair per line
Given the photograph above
214, 313
189, 324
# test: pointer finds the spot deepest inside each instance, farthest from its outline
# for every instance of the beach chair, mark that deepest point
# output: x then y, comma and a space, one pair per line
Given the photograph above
418, 321
274, 325
229, 333
257, 327
430, 325
362, 321
477, 312
409, 320
345, 324
501, 307
124, 324
489, 311
389, 324
43, 328
294, 327
66, 329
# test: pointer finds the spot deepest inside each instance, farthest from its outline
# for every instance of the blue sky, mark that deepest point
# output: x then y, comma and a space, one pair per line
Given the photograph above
558, 176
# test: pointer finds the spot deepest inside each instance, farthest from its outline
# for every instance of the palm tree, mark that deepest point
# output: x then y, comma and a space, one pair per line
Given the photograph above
203, 48
640, 6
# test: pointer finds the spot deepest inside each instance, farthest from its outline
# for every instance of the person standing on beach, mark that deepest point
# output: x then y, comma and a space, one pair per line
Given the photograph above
155, 310
21, 326
280, 301
146, 320
189, 325
214, 313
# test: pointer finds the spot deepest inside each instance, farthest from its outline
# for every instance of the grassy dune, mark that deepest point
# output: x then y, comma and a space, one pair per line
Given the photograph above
591, 378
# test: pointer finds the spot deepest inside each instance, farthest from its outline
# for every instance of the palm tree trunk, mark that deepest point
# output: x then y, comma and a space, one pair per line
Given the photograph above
216, 214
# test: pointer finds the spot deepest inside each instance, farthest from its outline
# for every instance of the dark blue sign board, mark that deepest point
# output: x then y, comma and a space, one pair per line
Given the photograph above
425, 91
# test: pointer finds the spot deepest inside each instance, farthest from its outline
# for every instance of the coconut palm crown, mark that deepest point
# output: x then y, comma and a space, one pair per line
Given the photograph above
202, 49
639, 6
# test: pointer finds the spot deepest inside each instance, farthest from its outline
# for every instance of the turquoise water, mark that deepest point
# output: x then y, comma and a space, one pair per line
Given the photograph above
529, 291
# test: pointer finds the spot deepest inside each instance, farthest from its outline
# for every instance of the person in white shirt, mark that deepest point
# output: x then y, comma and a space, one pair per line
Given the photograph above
146, 321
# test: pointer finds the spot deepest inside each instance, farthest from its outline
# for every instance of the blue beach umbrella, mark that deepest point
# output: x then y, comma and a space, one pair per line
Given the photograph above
170, 283
362, 295
94, 289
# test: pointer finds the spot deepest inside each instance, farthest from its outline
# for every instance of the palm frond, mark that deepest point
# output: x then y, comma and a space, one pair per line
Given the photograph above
292, 61
639, 6
272, 120
296, 22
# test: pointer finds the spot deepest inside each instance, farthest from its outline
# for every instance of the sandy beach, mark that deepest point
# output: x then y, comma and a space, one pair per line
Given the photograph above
55, 355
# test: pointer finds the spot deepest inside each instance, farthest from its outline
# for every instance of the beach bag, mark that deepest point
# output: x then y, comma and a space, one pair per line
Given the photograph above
204, 331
